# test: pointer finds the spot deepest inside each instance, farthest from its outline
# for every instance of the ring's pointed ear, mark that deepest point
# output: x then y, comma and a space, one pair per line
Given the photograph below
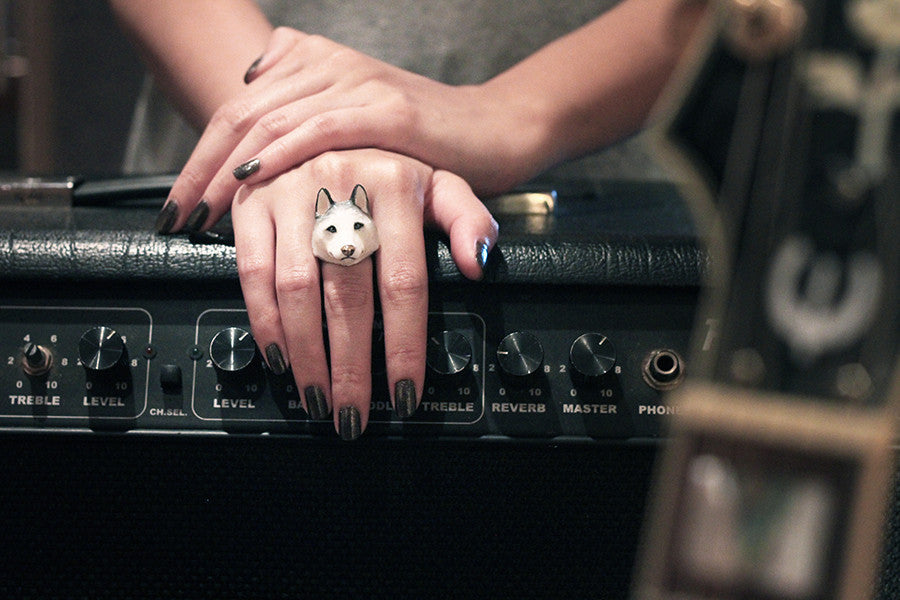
323, 202
360, 198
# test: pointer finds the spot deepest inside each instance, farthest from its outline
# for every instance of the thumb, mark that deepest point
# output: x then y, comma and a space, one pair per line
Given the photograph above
281, 42
451, 205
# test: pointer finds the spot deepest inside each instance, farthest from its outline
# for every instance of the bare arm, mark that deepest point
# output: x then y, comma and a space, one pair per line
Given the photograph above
310, 95
198, 50
599, 83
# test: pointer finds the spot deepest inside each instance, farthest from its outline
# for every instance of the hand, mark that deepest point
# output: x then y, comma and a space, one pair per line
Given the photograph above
284, 285
309, 95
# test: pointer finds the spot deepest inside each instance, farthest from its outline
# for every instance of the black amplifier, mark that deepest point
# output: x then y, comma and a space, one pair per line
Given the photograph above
137, 464
582, 320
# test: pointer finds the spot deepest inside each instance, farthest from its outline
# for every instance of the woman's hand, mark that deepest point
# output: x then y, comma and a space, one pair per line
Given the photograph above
308, 95
284, 285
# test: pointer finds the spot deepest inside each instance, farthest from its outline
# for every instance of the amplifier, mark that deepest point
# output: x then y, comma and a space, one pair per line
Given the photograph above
138, 462
583, 319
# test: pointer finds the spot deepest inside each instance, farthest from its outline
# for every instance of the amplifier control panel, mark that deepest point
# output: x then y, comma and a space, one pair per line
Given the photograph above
521, 365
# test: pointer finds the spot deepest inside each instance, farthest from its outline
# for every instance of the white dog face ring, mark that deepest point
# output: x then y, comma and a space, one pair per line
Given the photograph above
344, 233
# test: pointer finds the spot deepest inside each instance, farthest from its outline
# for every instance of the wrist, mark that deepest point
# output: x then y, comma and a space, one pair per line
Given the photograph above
516, 129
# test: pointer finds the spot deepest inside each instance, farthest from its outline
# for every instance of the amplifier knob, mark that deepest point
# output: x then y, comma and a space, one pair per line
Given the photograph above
36, 359
448, 352
592, 355
100, 349
520, 354
232, 349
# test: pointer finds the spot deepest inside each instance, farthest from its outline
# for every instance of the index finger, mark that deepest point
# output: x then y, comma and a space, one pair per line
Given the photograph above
194, 203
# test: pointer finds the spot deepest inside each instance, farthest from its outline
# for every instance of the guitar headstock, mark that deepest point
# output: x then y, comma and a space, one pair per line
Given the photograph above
790, 154
786, 133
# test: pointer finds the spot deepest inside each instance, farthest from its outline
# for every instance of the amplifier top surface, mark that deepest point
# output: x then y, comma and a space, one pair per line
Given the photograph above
613, 233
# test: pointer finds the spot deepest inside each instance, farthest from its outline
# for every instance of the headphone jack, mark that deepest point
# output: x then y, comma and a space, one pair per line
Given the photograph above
663, 369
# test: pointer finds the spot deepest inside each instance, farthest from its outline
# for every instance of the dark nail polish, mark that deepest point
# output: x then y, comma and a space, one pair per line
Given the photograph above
405, 398
481, 254
167, 217
349, 423
275, 359
252, 70
247, 169
316, 405
197, 217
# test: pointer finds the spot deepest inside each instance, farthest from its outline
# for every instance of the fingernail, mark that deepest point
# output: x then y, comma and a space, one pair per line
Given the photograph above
197, 217
349, 423
275, 359
252, 70
247, 169
316, 405
405, 398
481, 254
167, 217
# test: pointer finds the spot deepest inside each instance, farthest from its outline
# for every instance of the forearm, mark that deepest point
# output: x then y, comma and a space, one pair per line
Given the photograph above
311, 95
197, 50
599, 83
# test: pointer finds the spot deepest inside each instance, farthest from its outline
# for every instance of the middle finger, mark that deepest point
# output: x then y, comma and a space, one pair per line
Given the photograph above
349, 308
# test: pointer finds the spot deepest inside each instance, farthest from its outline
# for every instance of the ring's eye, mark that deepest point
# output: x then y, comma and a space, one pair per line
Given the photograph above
358, 225
331, 229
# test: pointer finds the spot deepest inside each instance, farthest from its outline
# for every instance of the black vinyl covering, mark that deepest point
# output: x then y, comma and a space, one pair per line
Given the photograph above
625, 233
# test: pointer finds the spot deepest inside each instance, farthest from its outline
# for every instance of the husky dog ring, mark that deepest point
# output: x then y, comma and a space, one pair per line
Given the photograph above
344, 233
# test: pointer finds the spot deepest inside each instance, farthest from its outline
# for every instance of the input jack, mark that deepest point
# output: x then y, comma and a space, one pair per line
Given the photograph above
663, 369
